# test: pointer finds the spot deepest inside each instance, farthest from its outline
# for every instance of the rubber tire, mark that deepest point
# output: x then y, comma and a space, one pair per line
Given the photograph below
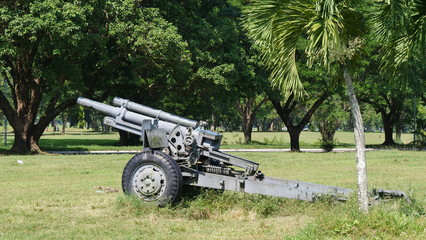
168, 165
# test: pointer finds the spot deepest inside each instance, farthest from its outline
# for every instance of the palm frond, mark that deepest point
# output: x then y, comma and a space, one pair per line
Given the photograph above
401, 25
330, 33
390, 19
276, 26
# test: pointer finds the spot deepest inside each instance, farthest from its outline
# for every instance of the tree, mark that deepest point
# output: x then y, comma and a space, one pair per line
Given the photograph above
53, 51
227, 74
401, 25
286, 110
385, 98
248, 108
387, 103
333, 29
295, 112
210, 28
372, 120
267, 119
421, 124
328, 118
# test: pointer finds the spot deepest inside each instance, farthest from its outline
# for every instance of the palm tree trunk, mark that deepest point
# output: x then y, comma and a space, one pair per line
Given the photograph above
361, 163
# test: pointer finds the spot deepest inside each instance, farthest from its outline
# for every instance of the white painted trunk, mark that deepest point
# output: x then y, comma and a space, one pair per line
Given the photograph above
361, 162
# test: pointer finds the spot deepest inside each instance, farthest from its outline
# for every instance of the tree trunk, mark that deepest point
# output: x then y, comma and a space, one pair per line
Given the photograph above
391, 113
128, 139
247, 129
388, 128
22, 119
284, 112
361, 163
248, 109
26, 139
54, 125
64, 123
398, 131
246, 121
35, 134
214, 121
20, 143
294, 138
271, 126
95, 125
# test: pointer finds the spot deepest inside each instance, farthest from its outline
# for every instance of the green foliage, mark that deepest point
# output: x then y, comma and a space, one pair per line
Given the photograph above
421, 120
153, 55
277, 28
328, 118
81, 122
388, 220
274, 141
328, 145
225, 67
57, 50
401, 26
381, 222
372, 120
209, 204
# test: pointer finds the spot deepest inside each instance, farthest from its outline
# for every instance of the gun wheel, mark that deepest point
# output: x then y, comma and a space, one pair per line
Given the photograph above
153, 177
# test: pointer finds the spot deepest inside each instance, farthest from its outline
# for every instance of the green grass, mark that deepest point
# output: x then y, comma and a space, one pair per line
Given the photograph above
307, 139
56, 197
77, 140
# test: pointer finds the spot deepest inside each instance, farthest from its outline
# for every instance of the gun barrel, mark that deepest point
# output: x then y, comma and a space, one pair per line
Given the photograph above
154, 113
100, 107
126, 114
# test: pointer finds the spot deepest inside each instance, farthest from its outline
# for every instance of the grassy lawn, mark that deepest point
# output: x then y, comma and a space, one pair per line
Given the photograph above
77, 140
307, 139
58, 197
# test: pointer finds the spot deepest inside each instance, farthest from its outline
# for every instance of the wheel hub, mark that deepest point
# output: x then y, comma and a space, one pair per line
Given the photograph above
149, 182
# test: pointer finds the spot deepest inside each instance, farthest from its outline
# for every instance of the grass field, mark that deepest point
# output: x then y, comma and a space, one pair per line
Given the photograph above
77, 140
307, 139
64, 197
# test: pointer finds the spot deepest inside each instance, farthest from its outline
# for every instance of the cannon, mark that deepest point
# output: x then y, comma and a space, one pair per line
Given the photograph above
179, 151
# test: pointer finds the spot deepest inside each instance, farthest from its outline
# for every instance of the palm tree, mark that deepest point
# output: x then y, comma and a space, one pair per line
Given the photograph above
401, 25
333, 30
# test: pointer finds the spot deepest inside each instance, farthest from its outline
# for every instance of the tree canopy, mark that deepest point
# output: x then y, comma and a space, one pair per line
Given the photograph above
53, 51
194, 58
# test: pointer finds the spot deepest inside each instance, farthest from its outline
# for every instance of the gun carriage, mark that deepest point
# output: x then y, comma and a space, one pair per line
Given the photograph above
178, 151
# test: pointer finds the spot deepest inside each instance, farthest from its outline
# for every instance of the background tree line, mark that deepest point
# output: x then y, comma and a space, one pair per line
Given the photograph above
195, 59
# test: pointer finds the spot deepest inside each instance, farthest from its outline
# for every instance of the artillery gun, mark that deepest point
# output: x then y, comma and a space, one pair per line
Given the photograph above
179, 151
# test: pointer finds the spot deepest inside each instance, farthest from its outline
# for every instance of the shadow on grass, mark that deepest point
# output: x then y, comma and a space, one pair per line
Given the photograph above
344, 145
76, 144
413, 146
4, 151
78, 133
